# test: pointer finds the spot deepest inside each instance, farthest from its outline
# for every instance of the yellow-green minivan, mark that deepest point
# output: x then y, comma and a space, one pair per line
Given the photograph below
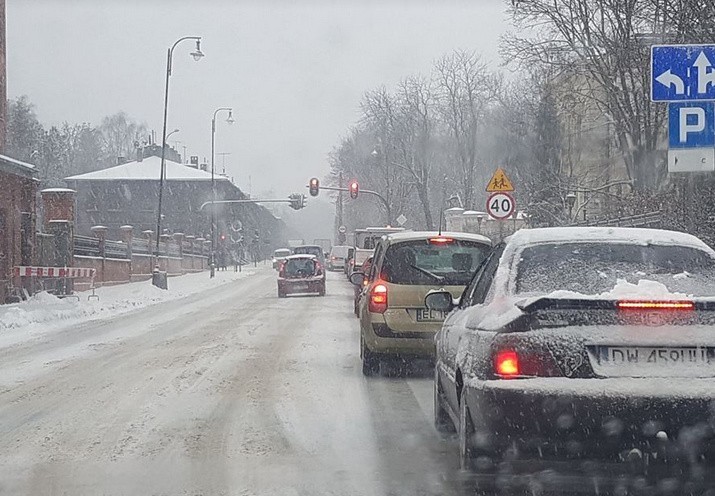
394, 321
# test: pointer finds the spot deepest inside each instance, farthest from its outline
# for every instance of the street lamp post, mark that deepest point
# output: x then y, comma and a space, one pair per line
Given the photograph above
196, 54
213, 183
570, 202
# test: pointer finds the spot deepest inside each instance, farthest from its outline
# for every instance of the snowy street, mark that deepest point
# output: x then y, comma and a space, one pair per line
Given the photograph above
229, 391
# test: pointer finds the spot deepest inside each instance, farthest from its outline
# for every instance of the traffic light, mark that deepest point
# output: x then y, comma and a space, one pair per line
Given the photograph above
314, 186
354, 189
297, 201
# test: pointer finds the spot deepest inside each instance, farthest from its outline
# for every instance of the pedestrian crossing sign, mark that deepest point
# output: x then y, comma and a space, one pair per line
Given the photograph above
499, 182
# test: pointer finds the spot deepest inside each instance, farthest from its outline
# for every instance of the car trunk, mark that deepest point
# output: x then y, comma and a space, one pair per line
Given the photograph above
407, 311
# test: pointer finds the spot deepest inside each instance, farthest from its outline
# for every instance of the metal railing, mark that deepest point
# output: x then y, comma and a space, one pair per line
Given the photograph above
86, 246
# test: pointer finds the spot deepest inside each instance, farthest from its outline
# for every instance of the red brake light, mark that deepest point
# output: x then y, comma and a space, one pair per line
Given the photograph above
655, 305
506, 363
378, 299
440, 240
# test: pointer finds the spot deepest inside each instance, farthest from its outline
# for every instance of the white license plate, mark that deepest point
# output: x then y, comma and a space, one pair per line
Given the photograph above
299, 287
646, 357
427, 315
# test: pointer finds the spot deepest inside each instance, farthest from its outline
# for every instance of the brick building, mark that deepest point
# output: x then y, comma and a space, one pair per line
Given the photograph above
17, 217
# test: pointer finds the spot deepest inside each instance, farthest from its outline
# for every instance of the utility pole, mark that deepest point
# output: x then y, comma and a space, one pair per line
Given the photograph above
3, 79
339, 207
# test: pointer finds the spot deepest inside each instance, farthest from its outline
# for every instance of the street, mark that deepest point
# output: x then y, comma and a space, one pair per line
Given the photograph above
229, 391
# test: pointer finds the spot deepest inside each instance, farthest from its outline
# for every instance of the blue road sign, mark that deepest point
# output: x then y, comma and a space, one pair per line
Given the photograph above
682, 72
691, 124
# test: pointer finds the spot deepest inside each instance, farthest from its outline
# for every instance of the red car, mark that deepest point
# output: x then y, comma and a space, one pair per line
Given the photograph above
301, 274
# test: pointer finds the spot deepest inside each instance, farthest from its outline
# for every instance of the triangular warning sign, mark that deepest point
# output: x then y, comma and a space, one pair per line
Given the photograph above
499, 182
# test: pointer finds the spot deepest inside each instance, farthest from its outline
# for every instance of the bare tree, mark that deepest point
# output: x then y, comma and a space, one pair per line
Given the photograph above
604, 44
466, 88
120, 134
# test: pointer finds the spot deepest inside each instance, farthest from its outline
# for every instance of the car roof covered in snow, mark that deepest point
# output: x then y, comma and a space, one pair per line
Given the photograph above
627, 235
147, 170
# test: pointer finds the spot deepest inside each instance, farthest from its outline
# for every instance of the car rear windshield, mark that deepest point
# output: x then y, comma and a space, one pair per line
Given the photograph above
298, 267
309, 250
427, 262
594, 268
281, 253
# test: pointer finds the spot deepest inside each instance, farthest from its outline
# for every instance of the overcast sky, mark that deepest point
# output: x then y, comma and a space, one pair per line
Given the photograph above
293, 71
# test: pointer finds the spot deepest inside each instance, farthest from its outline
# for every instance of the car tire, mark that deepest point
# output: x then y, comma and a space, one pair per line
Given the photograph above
281, 294
322, 291
442, 421
370, 360
481, 465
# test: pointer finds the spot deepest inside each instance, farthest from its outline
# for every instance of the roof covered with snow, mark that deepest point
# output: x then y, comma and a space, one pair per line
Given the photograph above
9, 164
147, 170
629, 235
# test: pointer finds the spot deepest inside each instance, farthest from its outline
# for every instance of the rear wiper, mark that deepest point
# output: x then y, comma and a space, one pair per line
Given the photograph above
427, 272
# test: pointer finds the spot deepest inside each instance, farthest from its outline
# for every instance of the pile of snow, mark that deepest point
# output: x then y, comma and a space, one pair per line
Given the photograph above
45, 310
643, 289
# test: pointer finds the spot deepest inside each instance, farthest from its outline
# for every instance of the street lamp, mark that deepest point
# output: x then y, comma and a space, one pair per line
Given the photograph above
230, 120
196, 54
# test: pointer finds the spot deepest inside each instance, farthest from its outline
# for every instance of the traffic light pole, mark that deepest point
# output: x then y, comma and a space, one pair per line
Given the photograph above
275, 200
366, 191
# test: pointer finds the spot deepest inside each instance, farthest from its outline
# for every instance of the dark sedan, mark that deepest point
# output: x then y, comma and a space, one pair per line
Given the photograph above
585, 349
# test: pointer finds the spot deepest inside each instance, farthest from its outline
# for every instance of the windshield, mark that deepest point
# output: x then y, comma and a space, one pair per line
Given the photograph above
594, 268
422, 262
281, 253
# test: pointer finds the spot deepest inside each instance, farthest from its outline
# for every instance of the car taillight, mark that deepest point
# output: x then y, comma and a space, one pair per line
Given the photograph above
506, 364
441, 240
378, 299
655, 305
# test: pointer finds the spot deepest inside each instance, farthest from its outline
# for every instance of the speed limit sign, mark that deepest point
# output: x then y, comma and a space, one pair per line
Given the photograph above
500, 205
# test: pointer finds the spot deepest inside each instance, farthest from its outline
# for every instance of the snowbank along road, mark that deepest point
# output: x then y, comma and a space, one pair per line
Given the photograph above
228, 391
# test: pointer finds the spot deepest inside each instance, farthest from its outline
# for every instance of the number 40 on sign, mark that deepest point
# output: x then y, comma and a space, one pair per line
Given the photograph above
500, 205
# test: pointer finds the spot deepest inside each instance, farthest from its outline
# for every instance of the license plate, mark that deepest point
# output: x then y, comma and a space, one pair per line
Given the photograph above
427, 315
299, 287
618, 356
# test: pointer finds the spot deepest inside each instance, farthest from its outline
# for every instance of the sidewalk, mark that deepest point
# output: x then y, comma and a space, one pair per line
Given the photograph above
44, 312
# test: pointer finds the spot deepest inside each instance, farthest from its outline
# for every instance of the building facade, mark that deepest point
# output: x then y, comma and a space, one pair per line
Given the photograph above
18, 212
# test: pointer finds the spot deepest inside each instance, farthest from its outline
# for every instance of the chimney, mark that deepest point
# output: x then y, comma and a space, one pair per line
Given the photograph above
140, 153
120, 160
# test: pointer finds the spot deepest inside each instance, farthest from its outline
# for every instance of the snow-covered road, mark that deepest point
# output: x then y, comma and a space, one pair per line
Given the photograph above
230, 391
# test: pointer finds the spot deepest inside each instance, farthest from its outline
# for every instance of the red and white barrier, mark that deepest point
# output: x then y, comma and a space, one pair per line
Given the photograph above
49, 272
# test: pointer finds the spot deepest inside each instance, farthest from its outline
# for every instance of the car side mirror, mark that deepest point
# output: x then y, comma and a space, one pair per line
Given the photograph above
357, 278
439, 300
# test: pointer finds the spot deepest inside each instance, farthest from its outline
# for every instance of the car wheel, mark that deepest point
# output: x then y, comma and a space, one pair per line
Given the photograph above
442, 421
322, 291
370, 360
281, 294
480, 464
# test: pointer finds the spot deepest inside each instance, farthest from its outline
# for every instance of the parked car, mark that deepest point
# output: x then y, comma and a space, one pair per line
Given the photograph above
359, 288
301, 274
338, 256
394, 322
314, 250
574, 345
279, 255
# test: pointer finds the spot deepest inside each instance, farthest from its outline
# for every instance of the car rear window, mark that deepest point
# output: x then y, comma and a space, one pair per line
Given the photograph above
426, 262
594, 268
299, 267
281, 253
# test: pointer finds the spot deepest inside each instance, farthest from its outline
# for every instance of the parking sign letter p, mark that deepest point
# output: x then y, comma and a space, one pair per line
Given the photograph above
694, 127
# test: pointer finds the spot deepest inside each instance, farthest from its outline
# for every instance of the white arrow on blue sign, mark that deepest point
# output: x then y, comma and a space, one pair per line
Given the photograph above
691, 137
682, 72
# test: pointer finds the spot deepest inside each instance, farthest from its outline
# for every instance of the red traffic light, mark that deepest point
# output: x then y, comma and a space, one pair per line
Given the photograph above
354, 189
314, 186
